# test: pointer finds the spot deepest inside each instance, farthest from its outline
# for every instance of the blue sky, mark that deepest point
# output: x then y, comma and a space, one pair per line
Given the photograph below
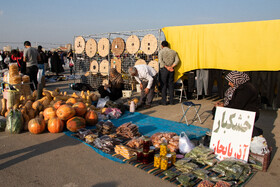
58, 21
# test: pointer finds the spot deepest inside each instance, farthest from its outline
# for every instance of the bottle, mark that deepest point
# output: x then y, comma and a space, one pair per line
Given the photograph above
140, 155
132, 107
157, 160
164, 163
146, 159
146, 145
163, 149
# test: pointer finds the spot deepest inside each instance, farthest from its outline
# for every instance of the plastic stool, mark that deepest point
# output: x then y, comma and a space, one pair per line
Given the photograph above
190, 104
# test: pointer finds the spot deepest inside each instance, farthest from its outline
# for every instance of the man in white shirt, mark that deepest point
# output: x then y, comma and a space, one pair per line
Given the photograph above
146, 76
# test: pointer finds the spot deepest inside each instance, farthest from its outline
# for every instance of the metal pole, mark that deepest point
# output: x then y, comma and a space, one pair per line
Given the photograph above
109, 54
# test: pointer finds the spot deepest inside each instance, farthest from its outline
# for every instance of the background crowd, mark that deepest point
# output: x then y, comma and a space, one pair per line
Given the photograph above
31, 60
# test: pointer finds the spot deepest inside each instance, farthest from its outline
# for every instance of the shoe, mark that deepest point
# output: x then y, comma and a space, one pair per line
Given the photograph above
206, 96
199, 97
139, 106
147, 106
162, 103
171, 102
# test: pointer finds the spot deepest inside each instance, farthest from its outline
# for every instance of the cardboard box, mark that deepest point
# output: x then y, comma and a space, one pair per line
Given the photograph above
126, 93
264, 159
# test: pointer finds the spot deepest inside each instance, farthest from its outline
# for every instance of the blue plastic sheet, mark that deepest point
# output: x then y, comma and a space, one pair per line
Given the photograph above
148, 126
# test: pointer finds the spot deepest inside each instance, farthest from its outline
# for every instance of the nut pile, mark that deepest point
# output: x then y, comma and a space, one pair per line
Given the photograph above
171, 139
104, 128
128, 130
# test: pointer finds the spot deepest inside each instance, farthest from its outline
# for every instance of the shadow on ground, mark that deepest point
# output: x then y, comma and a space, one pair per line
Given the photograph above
35, 150
267, 123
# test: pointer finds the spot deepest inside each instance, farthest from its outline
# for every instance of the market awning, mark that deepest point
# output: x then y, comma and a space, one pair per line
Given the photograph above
246, 46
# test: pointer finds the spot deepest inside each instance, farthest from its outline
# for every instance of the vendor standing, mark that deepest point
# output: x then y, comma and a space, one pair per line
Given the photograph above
146, 76
168, 59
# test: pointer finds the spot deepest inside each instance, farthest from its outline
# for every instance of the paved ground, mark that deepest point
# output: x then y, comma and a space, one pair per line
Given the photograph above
58, 160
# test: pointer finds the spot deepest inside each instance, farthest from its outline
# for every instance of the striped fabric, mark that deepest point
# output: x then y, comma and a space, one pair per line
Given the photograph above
237, 78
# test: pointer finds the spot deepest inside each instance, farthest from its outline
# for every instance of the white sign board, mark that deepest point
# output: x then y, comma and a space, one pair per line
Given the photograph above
232, 132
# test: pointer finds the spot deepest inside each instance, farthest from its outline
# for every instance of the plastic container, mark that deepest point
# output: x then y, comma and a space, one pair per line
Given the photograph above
126, 93
132, 107
138, 88
173, 158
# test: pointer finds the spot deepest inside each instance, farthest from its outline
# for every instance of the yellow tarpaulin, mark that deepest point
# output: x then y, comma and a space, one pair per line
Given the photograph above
246, 46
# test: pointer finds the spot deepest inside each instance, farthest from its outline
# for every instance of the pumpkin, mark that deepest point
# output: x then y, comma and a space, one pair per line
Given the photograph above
75, 123
136, 101
46, 102
58, 104
80, 108
49, 113
71, 101
55, 125
36, 125
65, 112
28, 104
37, 105
94, 97
103, 110
31, 113
91, 117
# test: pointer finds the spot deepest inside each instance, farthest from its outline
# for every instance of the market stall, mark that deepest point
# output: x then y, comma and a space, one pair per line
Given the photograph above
95, 54
154, 145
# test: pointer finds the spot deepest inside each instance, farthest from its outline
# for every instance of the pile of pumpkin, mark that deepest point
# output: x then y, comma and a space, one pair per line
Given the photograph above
55, 110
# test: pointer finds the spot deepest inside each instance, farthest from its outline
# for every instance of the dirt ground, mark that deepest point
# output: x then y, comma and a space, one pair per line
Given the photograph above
58, 160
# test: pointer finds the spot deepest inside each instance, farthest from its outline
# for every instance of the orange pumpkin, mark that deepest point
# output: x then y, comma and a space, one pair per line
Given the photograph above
55, 125
91, 117
71, 101
36, 125
58, 104
49, 113
75, 123
80, 108
65, 112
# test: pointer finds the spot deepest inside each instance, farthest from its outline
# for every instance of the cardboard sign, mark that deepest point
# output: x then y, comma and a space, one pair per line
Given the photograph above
232, 132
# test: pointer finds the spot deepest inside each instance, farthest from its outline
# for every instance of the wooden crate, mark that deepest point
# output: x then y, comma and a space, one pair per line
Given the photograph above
264, 159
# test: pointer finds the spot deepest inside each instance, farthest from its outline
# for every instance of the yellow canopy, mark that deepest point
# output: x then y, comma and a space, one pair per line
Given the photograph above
246, 46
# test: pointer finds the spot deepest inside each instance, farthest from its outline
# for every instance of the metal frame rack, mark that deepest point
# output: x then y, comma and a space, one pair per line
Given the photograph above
82, 61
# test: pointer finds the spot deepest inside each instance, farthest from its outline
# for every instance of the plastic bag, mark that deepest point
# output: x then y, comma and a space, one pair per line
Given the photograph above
113, 113
185, 145
39, 75
71, 63
14, 123
259, 145
102, 102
